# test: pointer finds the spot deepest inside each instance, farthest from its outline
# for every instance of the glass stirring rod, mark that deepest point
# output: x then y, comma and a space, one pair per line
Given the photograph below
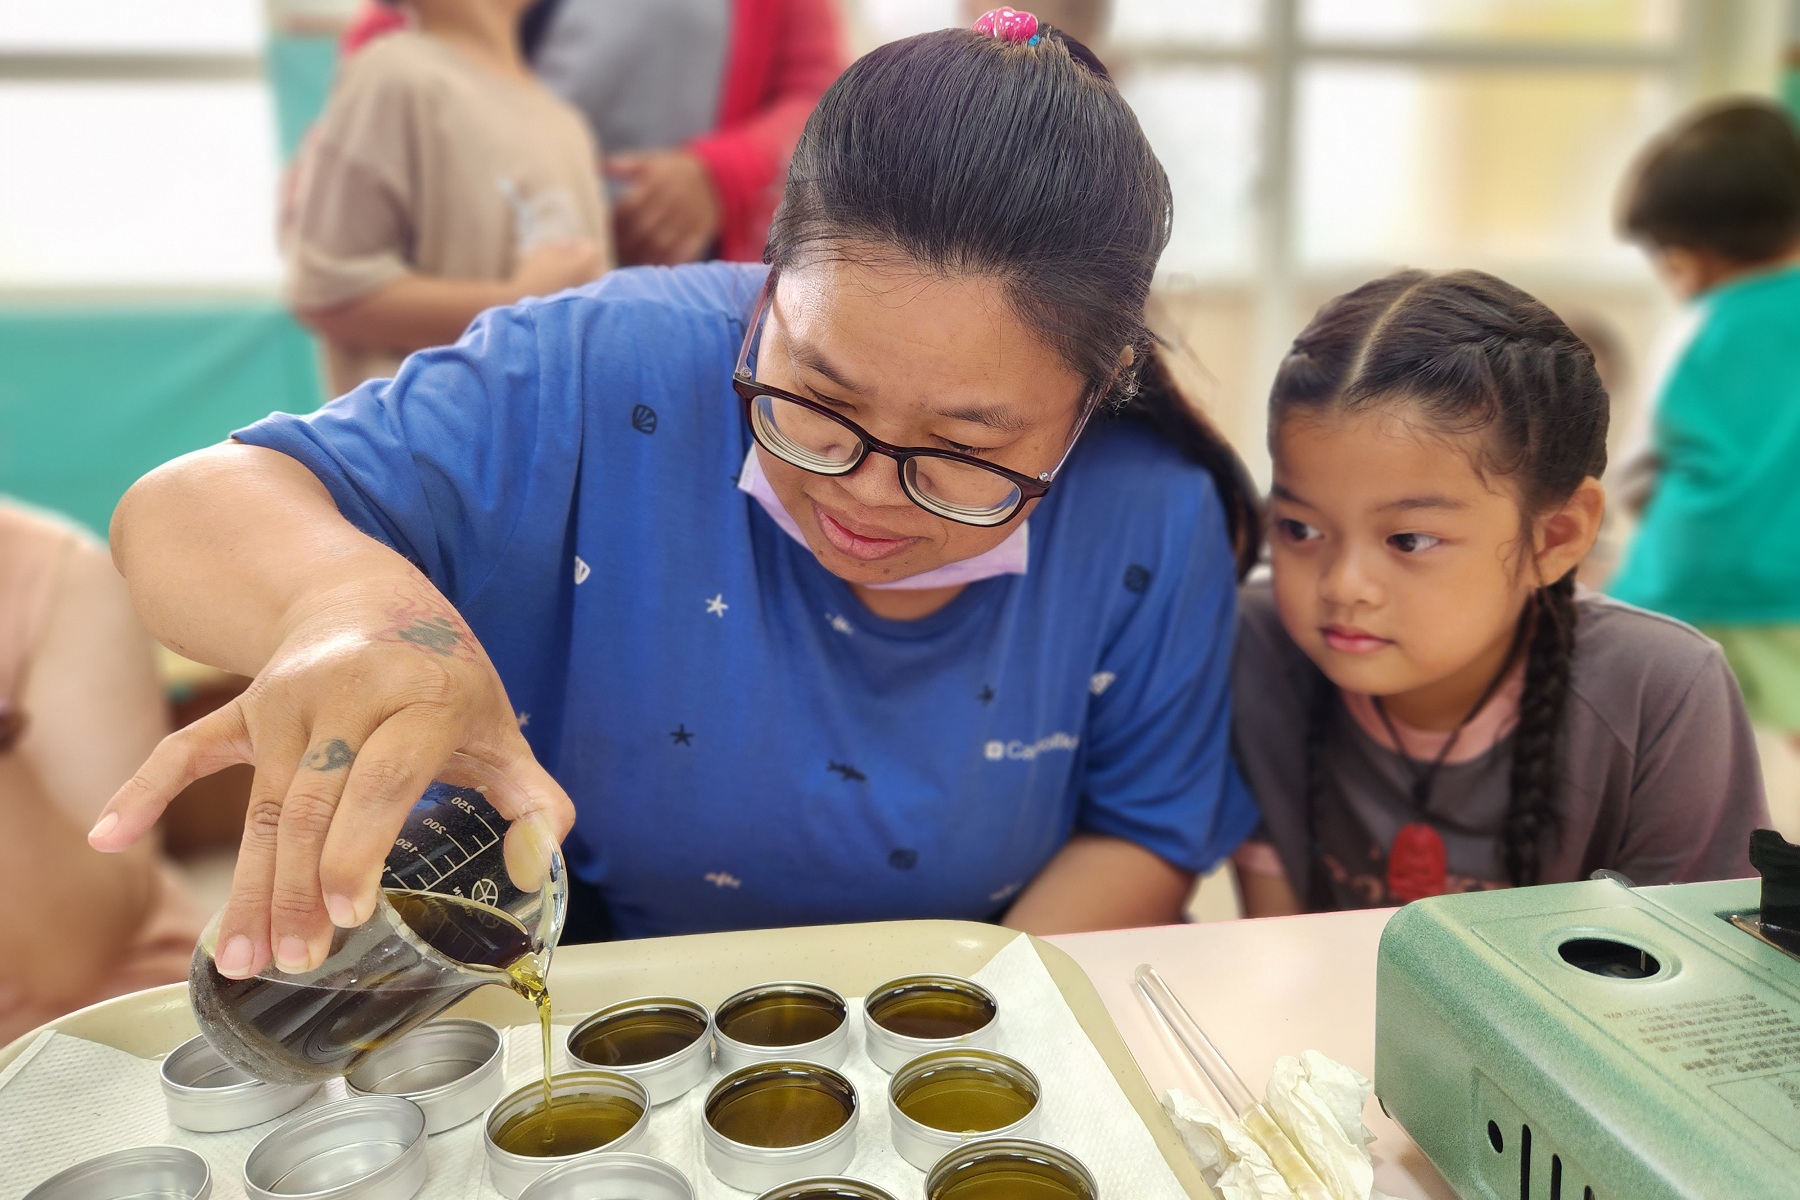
1287, 1157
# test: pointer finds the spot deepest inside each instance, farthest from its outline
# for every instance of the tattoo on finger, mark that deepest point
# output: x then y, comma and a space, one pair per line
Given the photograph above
334, 755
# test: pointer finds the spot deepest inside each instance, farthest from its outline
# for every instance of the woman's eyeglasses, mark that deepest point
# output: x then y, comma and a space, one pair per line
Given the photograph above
808, 435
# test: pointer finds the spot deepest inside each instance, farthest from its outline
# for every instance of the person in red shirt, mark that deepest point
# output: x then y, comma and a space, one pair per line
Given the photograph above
682, 193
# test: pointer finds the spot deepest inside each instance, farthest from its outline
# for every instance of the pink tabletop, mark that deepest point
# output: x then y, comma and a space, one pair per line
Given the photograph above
1261, 989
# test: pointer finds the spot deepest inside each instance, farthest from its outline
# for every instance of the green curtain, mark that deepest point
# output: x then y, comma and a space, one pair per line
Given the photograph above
92, 398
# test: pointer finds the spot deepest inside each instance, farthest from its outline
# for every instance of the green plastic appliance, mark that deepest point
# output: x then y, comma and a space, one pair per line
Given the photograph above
1596, 1041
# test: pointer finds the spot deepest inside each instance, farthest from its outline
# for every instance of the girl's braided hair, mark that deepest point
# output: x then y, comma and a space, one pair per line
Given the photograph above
1472, 354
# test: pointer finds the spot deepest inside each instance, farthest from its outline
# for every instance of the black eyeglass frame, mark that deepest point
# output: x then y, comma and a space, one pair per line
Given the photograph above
1030, 487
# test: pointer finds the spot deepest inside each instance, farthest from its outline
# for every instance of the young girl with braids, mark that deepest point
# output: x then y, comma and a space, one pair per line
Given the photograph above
1424, 701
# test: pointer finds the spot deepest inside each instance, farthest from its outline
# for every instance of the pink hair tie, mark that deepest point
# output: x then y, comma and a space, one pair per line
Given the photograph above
1009, 25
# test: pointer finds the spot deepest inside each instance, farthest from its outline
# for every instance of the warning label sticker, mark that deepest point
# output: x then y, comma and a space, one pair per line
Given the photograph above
1716, 1038
1742, 1047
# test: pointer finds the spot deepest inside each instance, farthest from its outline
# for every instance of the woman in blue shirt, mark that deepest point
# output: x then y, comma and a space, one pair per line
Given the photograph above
834, 590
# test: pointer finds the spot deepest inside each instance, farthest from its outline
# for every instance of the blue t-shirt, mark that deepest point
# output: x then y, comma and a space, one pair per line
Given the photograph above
746, 745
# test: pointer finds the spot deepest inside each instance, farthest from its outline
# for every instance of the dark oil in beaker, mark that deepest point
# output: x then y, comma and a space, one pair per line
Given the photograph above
779, 1018
931, 1010
965, 1098
639, 1035
286, 1031
577, 1124
780, 1105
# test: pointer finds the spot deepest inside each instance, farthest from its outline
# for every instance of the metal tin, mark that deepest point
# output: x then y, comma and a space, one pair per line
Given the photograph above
361, 1148
165, 1172
748, 1026
449, 1067
207, 1094
994, 1169
827, 1187
923, 1132
755, 1118
608, 1176
513, 1173
957, 1012
596, 1042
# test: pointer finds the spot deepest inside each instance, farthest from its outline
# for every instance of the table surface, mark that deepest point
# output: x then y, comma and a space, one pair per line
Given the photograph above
1261, 989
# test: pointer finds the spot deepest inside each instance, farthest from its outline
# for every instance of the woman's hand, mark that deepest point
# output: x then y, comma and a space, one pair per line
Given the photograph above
373, 684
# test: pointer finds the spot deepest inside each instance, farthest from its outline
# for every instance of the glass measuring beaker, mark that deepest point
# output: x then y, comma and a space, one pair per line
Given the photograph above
468, 898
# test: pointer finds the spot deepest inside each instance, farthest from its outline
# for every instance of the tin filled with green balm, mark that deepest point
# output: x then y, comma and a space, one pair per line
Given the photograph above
771, 1123
782, 1022
1009, 1169
917, 1014
663, 1042
940, 1100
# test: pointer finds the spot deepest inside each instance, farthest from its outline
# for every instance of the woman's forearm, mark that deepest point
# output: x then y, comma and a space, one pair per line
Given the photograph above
1099, 882
223, 546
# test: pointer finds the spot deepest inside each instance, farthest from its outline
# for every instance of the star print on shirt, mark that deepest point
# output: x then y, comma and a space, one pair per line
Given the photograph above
986, 694
717, 606
723, 879
839, 623
849, 773
682, 735
524, 719
1100, 681
582, 570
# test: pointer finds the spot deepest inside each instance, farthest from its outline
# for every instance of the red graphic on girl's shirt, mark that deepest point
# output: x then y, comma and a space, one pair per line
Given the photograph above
1417, 865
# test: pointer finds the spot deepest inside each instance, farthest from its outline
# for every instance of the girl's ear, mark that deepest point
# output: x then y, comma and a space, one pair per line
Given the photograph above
1567, 533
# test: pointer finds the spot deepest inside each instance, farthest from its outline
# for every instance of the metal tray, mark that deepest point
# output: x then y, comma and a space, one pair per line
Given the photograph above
708, 967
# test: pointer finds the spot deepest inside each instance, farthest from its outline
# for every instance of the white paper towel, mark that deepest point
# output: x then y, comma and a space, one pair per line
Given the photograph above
1317, 1102
66, 1100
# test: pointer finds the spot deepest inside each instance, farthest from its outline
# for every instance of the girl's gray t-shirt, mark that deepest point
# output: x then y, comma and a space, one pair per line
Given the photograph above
1659, 773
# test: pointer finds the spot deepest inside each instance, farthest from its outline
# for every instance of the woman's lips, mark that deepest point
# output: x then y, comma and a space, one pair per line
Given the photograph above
858, 545
1352, 641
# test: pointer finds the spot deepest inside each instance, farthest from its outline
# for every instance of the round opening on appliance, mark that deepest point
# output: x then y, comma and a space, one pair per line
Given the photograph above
1612, 959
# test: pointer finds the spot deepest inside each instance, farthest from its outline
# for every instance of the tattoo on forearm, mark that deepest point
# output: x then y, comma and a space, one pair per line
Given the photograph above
334, 755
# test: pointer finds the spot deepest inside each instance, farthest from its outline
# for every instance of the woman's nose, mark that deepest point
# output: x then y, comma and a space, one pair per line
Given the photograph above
875, 482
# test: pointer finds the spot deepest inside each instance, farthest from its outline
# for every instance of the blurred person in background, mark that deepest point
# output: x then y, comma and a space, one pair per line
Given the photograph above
698, 104
79, 708
441, 180
1715, 202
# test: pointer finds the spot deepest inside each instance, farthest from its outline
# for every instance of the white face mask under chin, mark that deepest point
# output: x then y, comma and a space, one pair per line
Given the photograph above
1010, 557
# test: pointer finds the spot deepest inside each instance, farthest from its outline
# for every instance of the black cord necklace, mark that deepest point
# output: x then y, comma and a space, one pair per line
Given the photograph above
1422, 779
1418, 864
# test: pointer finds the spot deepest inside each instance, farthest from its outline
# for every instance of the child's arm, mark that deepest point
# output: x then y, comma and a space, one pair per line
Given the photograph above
1262, 881
415, 311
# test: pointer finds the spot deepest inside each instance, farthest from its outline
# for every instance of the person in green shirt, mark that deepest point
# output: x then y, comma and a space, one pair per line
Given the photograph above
1715, 202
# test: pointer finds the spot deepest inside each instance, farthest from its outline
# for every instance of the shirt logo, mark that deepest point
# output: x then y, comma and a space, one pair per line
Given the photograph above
996, 751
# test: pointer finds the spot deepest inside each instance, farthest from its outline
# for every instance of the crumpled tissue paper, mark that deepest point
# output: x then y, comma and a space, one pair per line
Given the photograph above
1317, 1102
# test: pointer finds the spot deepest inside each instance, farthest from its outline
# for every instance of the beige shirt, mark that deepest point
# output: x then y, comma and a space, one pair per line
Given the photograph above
427, 163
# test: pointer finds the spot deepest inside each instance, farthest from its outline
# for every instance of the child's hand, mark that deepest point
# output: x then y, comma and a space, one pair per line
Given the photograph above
552, 266
668, 212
